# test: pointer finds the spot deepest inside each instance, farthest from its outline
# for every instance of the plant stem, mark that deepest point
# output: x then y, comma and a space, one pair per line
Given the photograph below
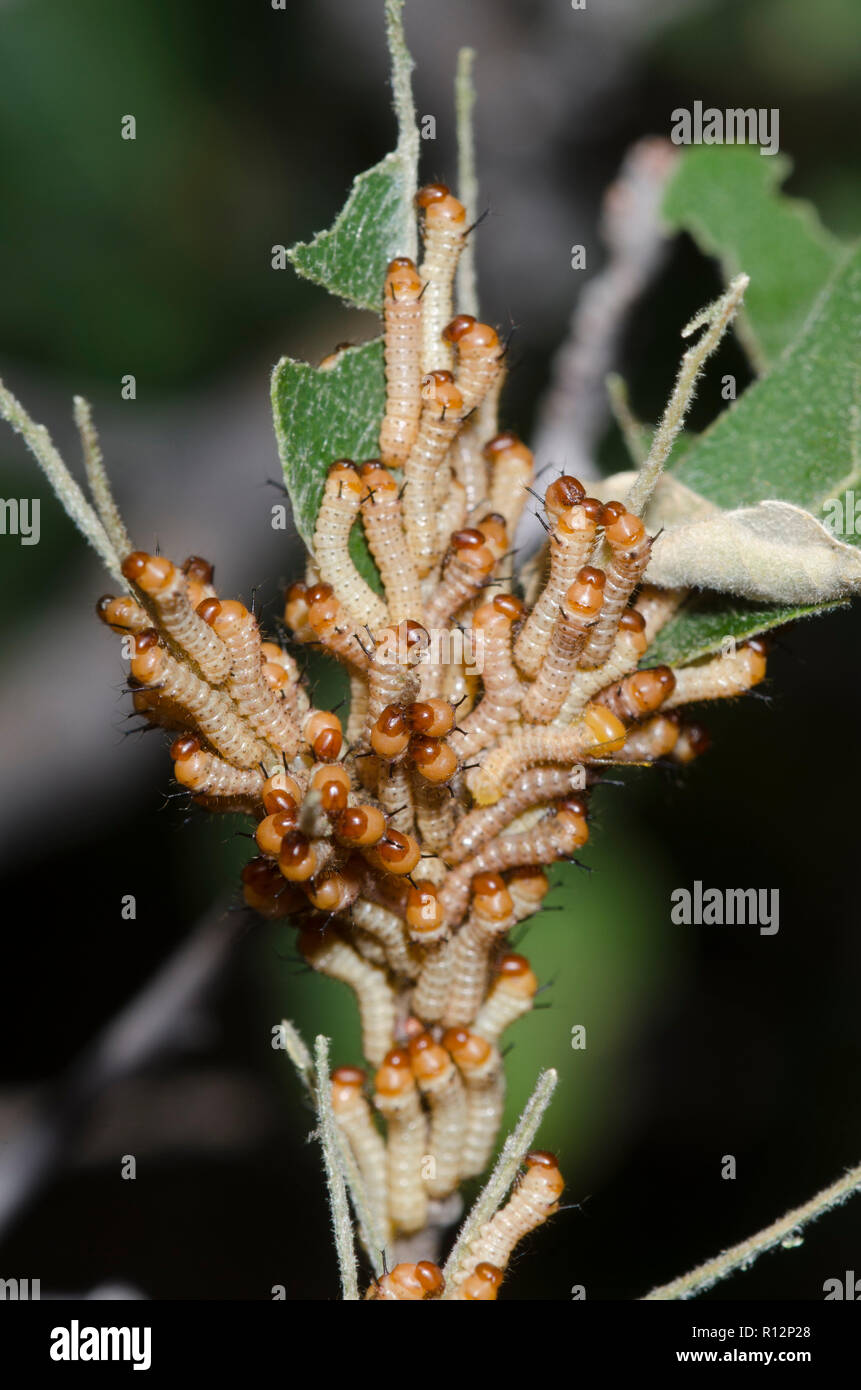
342, 1226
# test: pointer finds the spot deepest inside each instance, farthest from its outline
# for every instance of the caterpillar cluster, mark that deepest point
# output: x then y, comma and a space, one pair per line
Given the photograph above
406, 844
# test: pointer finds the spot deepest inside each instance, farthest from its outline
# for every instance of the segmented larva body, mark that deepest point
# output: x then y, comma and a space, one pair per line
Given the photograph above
630, 549
656, 738
596, 735
122, 614
629, 646
444, 226
534, 1199
205, 774
536, 787
333, 956
210, 710
442, 1087
329, 624
503, 688
354, 1118
511, 471
269, 716
511, 995
435, 811
387, 928
155, 709
491, 916
556, 837
480, 1065
571, 542
381, 513
657, 607
166, 587
639, 694
426, 926
693, 741
451, 511
357, 718
391, 682
441, 419
409, 1283
580, 608
395, 795
470, 467
722, 677
265, 891
470, 562
402, 348
339, 509
479, 358
397, 1098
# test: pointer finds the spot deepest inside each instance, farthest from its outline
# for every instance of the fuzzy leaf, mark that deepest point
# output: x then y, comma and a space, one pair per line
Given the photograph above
708, 619
794, 436
322, 414
727, 197
377, 222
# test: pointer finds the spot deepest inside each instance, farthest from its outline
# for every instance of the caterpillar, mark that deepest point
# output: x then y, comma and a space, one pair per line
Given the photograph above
479, 358
387, 928
397, 1098
470, 468
395, 795
210, 710
339, 508
535, 787
381, 514
331, 955
629, 646
208, 775
444, 227
469, 563
509, 998
638, 694
630, 549
238, 631
511, 469
597, 733
391, 681
402, 349
328, 623
122, 614
693, 741
534, 1199
435, 811
441, 419
441, 1085
582, 604
491, 916
480, 1065
556, 837
571, 542
647, 742
354, 1118
657, 607
451, 508
166, 587
409, 1283
502, 686
722, 677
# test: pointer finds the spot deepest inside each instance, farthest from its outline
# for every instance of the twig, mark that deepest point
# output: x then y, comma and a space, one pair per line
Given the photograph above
98, 479
71, 497
574, 410
467, 181
342, 1226
705, 1276
408, 134
718, 317
505, 1171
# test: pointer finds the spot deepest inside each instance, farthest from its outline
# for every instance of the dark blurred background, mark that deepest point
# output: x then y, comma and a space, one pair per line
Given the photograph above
152, 257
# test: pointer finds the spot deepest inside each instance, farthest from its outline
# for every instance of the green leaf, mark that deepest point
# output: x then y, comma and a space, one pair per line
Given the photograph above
727, 197
708, 619
793, 435
377, 222
322, 414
